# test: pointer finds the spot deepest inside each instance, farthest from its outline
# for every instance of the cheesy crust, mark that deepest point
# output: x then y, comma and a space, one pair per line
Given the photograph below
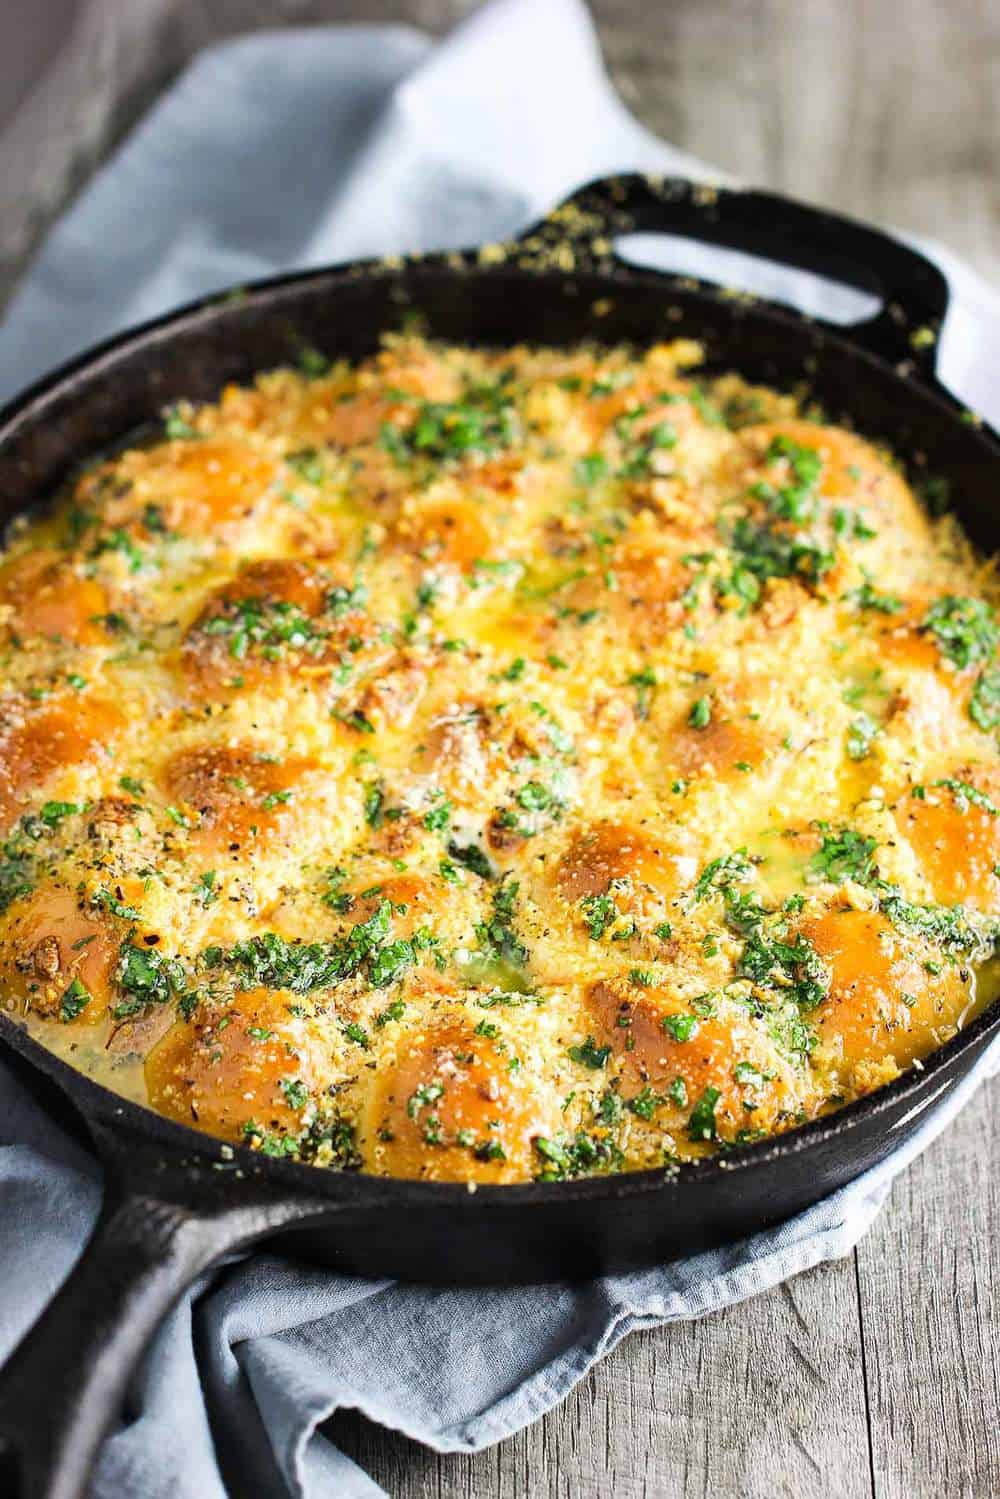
482, 766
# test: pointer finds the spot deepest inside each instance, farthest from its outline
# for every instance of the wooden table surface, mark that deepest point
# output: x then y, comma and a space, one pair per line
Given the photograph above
879, 1375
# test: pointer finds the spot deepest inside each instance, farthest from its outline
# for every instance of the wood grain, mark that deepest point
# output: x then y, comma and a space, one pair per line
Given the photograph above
879, 1375
671, 1412
927, 1276
847, 104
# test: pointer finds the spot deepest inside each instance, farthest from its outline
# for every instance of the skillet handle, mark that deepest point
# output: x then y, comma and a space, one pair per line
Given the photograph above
913, 291
62, 1387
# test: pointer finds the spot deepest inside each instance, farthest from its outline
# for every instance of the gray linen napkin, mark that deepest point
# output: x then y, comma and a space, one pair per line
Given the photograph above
286, 150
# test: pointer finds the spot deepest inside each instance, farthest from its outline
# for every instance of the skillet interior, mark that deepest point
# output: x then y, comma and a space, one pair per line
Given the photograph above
436, 1232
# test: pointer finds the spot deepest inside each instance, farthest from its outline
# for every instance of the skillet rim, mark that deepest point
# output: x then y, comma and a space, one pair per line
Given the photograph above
97, 1103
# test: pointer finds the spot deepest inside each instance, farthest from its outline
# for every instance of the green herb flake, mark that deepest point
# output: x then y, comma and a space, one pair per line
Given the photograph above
590, 469
748, 1075
438, 818
862, 732
599, 913
471, 857
720, 873
589, 1054
680, 1027
582, 1154
176, 427
395, 1011
967, 795
312, 363
965, 629
74, 1001
843, 855
295, 1091
701, 1123
308, 464
984, 704
52, 813
700, 713
644, 1104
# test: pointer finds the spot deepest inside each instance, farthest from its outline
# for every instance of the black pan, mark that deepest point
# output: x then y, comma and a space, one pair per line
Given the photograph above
175, 1200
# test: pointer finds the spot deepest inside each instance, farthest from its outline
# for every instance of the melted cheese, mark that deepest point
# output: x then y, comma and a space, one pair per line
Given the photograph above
479, 766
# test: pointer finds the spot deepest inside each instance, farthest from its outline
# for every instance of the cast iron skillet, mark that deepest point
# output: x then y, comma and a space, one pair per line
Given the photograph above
175, 1200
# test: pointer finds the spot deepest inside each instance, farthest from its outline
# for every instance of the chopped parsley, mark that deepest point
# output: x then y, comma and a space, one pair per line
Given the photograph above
965, 629
270, 626
439, 816
106, 900
74, 1001
599, 913
312, 363
956, 930
723, 872
590, 469
423, 1096
701, 1123
295, 1091
768, 551
482, 423
374, 802
327, 1140
176, 427
843, 855
589, 1054
501, 955
681, 1027
52, 813
644, 1104
984, 705
145, 977
793, 966
471, 856
966, 795
868, 597
643, 681
700, 713
805, 463
639, 461
395, 1011
750, 1076
582, 1154
391, 962
862, 732
271, 962
308, 464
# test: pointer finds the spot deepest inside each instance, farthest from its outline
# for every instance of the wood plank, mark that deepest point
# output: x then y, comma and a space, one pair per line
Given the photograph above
764, 1400
835, 103
930, 1308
